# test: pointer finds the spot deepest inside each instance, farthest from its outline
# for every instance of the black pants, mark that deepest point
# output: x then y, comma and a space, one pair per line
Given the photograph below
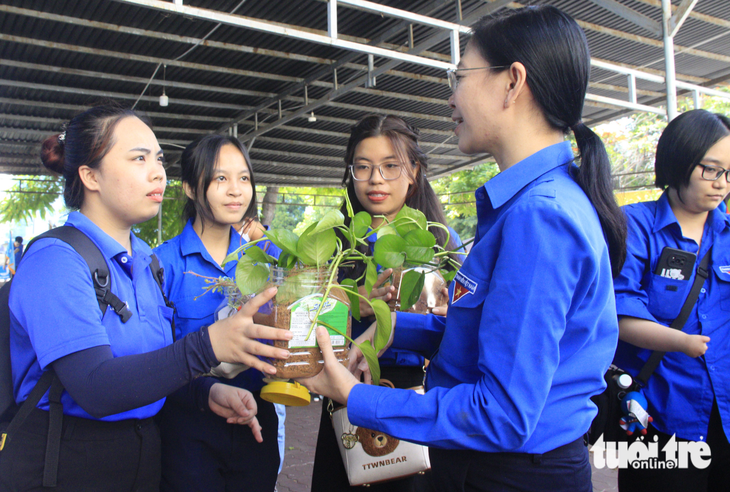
715, 477
94, 456
201, 452
565, 469
329, 474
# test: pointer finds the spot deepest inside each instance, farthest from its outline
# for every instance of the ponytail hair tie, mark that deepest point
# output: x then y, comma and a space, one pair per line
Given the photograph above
62, 138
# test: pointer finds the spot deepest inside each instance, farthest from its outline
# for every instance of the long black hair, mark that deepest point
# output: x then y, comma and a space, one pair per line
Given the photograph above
554, 51
420, 196
198, 163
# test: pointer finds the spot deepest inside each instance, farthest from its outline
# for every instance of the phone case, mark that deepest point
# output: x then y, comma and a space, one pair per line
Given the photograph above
675, 264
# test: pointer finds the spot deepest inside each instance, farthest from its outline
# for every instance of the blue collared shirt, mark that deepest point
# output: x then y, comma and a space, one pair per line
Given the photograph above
54, 311
193, 310
530, 331
681, 390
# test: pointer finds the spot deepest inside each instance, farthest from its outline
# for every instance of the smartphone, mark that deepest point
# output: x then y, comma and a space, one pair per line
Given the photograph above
675, 264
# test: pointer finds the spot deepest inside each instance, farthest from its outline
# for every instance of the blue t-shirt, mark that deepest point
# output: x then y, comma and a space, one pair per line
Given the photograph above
682, 389
54, 311
186, 253
531, 326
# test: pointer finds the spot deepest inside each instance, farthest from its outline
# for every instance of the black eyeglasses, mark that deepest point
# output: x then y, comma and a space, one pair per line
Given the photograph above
713, 173
454, 79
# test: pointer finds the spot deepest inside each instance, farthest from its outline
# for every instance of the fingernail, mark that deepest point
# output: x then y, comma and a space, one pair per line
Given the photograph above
285, 354
271, 370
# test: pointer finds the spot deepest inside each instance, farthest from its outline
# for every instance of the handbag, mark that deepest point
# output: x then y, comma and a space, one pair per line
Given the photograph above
606, 422
372, 456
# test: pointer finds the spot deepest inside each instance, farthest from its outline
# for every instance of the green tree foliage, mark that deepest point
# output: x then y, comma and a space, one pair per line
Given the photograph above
31, 195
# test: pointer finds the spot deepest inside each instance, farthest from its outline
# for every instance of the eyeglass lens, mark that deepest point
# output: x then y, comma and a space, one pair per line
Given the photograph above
712, 173
389, 172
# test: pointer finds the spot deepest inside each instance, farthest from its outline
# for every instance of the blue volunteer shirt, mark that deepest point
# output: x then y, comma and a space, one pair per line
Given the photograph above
186, 253
681, 391
54, 311
530, 331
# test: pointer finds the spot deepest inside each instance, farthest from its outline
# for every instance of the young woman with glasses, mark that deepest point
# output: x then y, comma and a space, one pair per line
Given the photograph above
687, 393
531, 325
386, 169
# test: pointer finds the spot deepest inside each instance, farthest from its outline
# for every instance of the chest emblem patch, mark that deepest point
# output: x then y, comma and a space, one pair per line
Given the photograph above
725, 269
463, 285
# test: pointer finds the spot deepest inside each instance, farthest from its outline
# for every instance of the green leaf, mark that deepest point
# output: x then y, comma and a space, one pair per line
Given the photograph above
350, 286
371, 274
258, 255
411, 285
386, 230
332, 219
250, 278
418, 237
371, 357
389, 251
287, 261
316, 248
360, 223
284, 239
409, 219
385, 323
232, 257
448, 275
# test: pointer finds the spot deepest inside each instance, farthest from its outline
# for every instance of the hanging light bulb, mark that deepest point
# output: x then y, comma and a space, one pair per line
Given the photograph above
312, 118
164, 100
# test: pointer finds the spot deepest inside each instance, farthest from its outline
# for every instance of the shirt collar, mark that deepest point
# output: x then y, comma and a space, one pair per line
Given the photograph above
192, 244
509, 182
716, 218
109, 246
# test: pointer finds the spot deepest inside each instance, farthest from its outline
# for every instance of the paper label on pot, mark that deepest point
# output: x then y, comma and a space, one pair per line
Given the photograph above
334, 313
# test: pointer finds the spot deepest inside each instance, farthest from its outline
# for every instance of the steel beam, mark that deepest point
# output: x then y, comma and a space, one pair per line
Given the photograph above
670, 78
644, 22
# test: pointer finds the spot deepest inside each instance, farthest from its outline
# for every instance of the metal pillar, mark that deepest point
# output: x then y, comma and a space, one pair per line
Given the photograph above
669, 72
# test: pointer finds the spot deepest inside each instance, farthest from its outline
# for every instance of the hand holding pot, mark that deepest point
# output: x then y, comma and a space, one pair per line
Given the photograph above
442, 310
236, 405
334, 381
358, 366
377, 292
235, 339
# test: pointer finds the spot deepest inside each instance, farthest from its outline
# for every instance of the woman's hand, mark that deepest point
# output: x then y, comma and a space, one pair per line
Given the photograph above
358, 366
442, 310
236, 405
695, 345
377, 292
333, 381
235, 339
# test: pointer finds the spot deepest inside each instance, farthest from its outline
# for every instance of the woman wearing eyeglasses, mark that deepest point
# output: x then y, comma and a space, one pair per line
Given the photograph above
531, 326
386, 169
688, 392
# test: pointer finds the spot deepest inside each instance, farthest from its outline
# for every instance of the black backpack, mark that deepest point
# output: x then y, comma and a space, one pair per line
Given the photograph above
12, 416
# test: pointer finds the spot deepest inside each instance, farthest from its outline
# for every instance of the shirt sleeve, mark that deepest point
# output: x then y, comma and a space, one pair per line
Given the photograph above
418, 332
518, 347
632, 298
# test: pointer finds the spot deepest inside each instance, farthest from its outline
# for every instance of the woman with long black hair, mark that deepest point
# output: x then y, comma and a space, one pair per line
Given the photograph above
531, 327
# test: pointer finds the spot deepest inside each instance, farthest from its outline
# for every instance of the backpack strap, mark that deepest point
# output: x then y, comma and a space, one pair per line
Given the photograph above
158, 273
97, 267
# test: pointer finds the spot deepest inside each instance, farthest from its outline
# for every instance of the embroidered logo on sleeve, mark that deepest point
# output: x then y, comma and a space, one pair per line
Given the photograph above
463, 285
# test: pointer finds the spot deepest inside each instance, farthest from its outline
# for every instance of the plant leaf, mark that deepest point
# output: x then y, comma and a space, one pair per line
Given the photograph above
284, 239
286, 260
331, 219
371, 275
250, 278
316, 248
232, 257
385, 324
386, 230
371, 357
350, 286
258, 255
360, 223
448, 275
389, 251
419, 237
411, 285
409, 219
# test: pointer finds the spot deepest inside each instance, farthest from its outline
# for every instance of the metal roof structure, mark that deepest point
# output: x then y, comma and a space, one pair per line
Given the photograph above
289, 77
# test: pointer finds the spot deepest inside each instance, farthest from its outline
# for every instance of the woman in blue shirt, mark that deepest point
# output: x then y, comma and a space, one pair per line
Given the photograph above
531, 326
116, 373
688, 392
200, 450
379, 180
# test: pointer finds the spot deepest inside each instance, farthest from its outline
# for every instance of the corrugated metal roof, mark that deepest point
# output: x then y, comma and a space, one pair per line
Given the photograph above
56, 58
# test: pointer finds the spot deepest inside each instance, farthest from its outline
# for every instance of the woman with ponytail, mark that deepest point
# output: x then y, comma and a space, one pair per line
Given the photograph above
531, 327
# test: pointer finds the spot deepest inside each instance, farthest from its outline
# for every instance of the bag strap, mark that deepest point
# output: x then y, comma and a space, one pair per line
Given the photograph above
158, 273
98, 268
28, 405
657, 356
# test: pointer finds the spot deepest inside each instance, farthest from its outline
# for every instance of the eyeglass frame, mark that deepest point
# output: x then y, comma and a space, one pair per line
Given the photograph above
380, 168
454, 82
705, 167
